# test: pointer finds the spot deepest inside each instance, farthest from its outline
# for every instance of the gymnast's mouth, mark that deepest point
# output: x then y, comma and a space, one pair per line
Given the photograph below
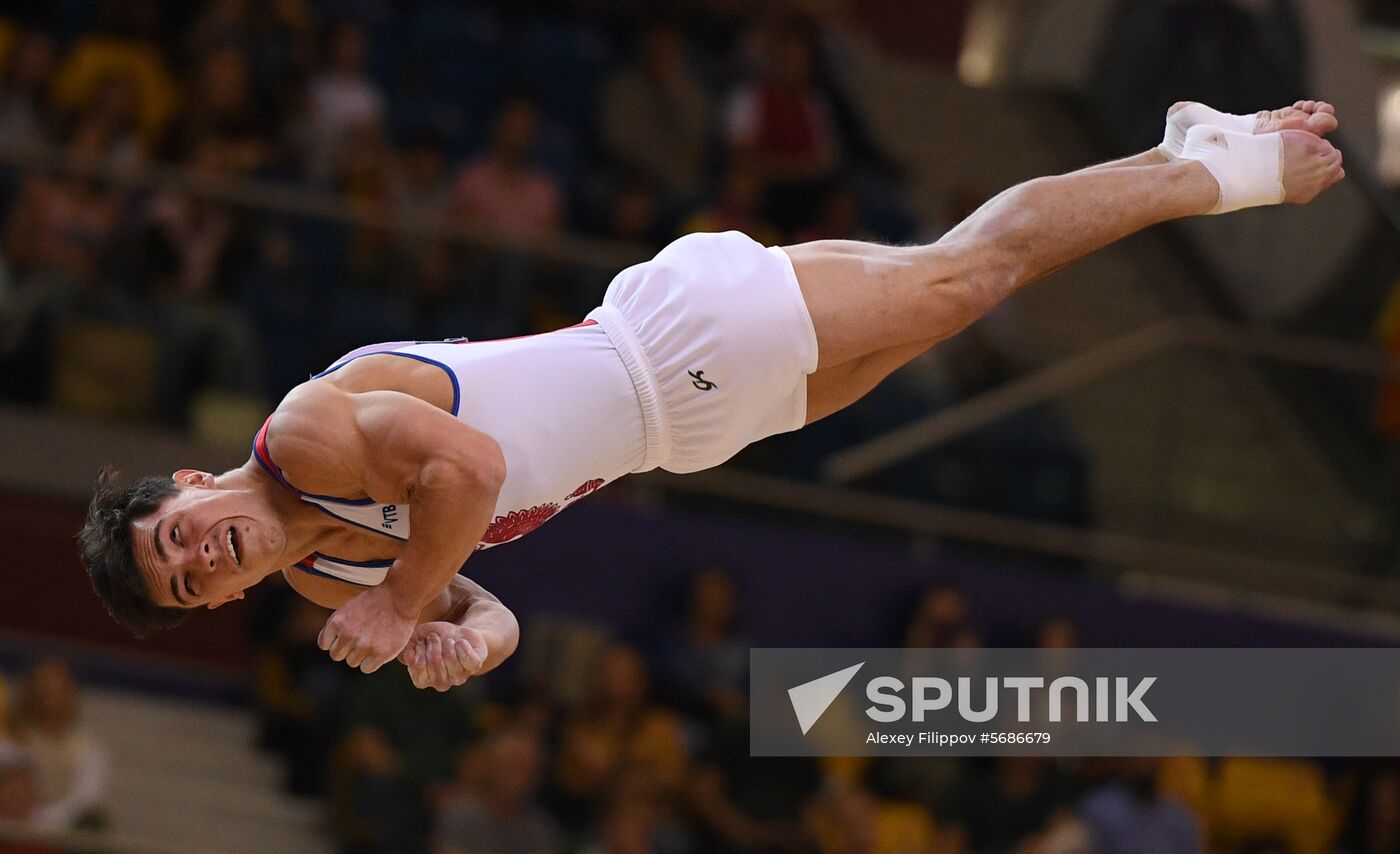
231, 543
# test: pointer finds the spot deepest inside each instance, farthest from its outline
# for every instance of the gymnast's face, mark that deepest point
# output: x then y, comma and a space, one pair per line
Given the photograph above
205, 545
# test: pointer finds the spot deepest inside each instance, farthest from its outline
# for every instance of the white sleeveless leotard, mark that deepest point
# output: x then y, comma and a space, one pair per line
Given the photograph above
561, 405
691, 357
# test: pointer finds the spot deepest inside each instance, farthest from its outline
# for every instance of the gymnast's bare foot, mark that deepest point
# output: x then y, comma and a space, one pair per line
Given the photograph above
1315, 117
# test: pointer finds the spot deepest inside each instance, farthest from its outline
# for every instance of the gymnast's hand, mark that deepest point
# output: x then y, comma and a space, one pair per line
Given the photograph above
367, 632
444, 655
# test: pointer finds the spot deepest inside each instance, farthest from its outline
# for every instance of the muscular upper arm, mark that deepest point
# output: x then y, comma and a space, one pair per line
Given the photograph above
376, 443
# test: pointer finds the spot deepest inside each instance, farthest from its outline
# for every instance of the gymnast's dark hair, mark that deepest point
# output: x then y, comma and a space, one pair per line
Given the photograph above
106, 545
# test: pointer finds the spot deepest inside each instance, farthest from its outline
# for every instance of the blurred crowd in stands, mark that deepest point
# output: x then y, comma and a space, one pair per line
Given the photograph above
53, 771
593, 743
351, 171
424, 121
590, 743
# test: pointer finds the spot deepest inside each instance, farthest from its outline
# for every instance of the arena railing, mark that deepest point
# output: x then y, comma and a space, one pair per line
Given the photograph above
310, 203
870, 456
1136, 562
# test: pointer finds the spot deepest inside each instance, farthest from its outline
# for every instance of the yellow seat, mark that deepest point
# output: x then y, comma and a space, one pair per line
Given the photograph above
1186, 780
1283, 799
9, 34
851, 819
105, 370
845, 770
96, 58
903, 828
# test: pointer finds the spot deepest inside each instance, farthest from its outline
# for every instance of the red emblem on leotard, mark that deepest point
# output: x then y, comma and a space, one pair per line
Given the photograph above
590, 486
517, 523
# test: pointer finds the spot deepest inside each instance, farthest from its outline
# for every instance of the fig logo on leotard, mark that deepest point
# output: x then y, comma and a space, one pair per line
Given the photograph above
699, 381
391, 515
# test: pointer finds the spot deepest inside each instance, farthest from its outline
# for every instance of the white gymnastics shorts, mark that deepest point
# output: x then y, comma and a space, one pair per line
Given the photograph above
718, 342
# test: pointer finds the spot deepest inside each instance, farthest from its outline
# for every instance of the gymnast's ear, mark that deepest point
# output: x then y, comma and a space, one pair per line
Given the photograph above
194, 477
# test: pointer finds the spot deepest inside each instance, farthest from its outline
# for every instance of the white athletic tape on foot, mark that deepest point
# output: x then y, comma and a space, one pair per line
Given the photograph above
1248, 167
1181, 122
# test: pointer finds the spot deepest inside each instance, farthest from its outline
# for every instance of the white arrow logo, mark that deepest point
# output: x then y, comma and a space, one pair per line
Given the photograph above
810, 700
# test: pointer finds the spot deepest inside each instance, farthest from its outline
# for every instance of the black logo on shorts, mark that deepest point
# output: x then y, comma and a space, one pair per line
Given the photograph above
391, 515
700, 382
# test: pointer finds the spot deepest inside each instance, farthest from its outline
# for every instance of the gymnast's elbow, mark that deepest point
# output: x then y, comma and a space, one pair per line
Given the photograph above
479, 466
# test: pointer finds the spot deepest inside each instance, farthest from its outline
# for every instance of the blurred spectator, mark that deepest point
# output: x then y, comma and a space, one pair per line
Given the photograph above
419, 185
191, 247
842, 822
64, 224
493, 811
942, 618
619, 726
1372, 825
96, 58
655, 116
192, 252
744, 804
271, 35
704, 661
501, 189
1130, 816
452, 298
19, 791
636, 215
1007, 803
70, 764
1387, 333
400, 744
375, 807
782, 123
278, 289
341, 99
1388, 121
298, 689
838, 219
736, 207
849, 820
425, 728
220, 108
1057, 633
113, 111
19, 801
633, 825
1206, 44
931, 781
24, 118
364, 173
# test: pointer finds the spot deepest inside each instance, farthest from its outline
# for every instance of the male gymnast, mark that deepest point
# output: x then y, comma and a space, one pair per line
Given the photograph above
714, 344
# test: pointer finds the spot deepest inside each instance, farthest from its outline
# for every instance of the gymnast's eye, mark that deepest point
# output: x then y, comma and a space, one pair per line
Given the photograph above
175, 534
